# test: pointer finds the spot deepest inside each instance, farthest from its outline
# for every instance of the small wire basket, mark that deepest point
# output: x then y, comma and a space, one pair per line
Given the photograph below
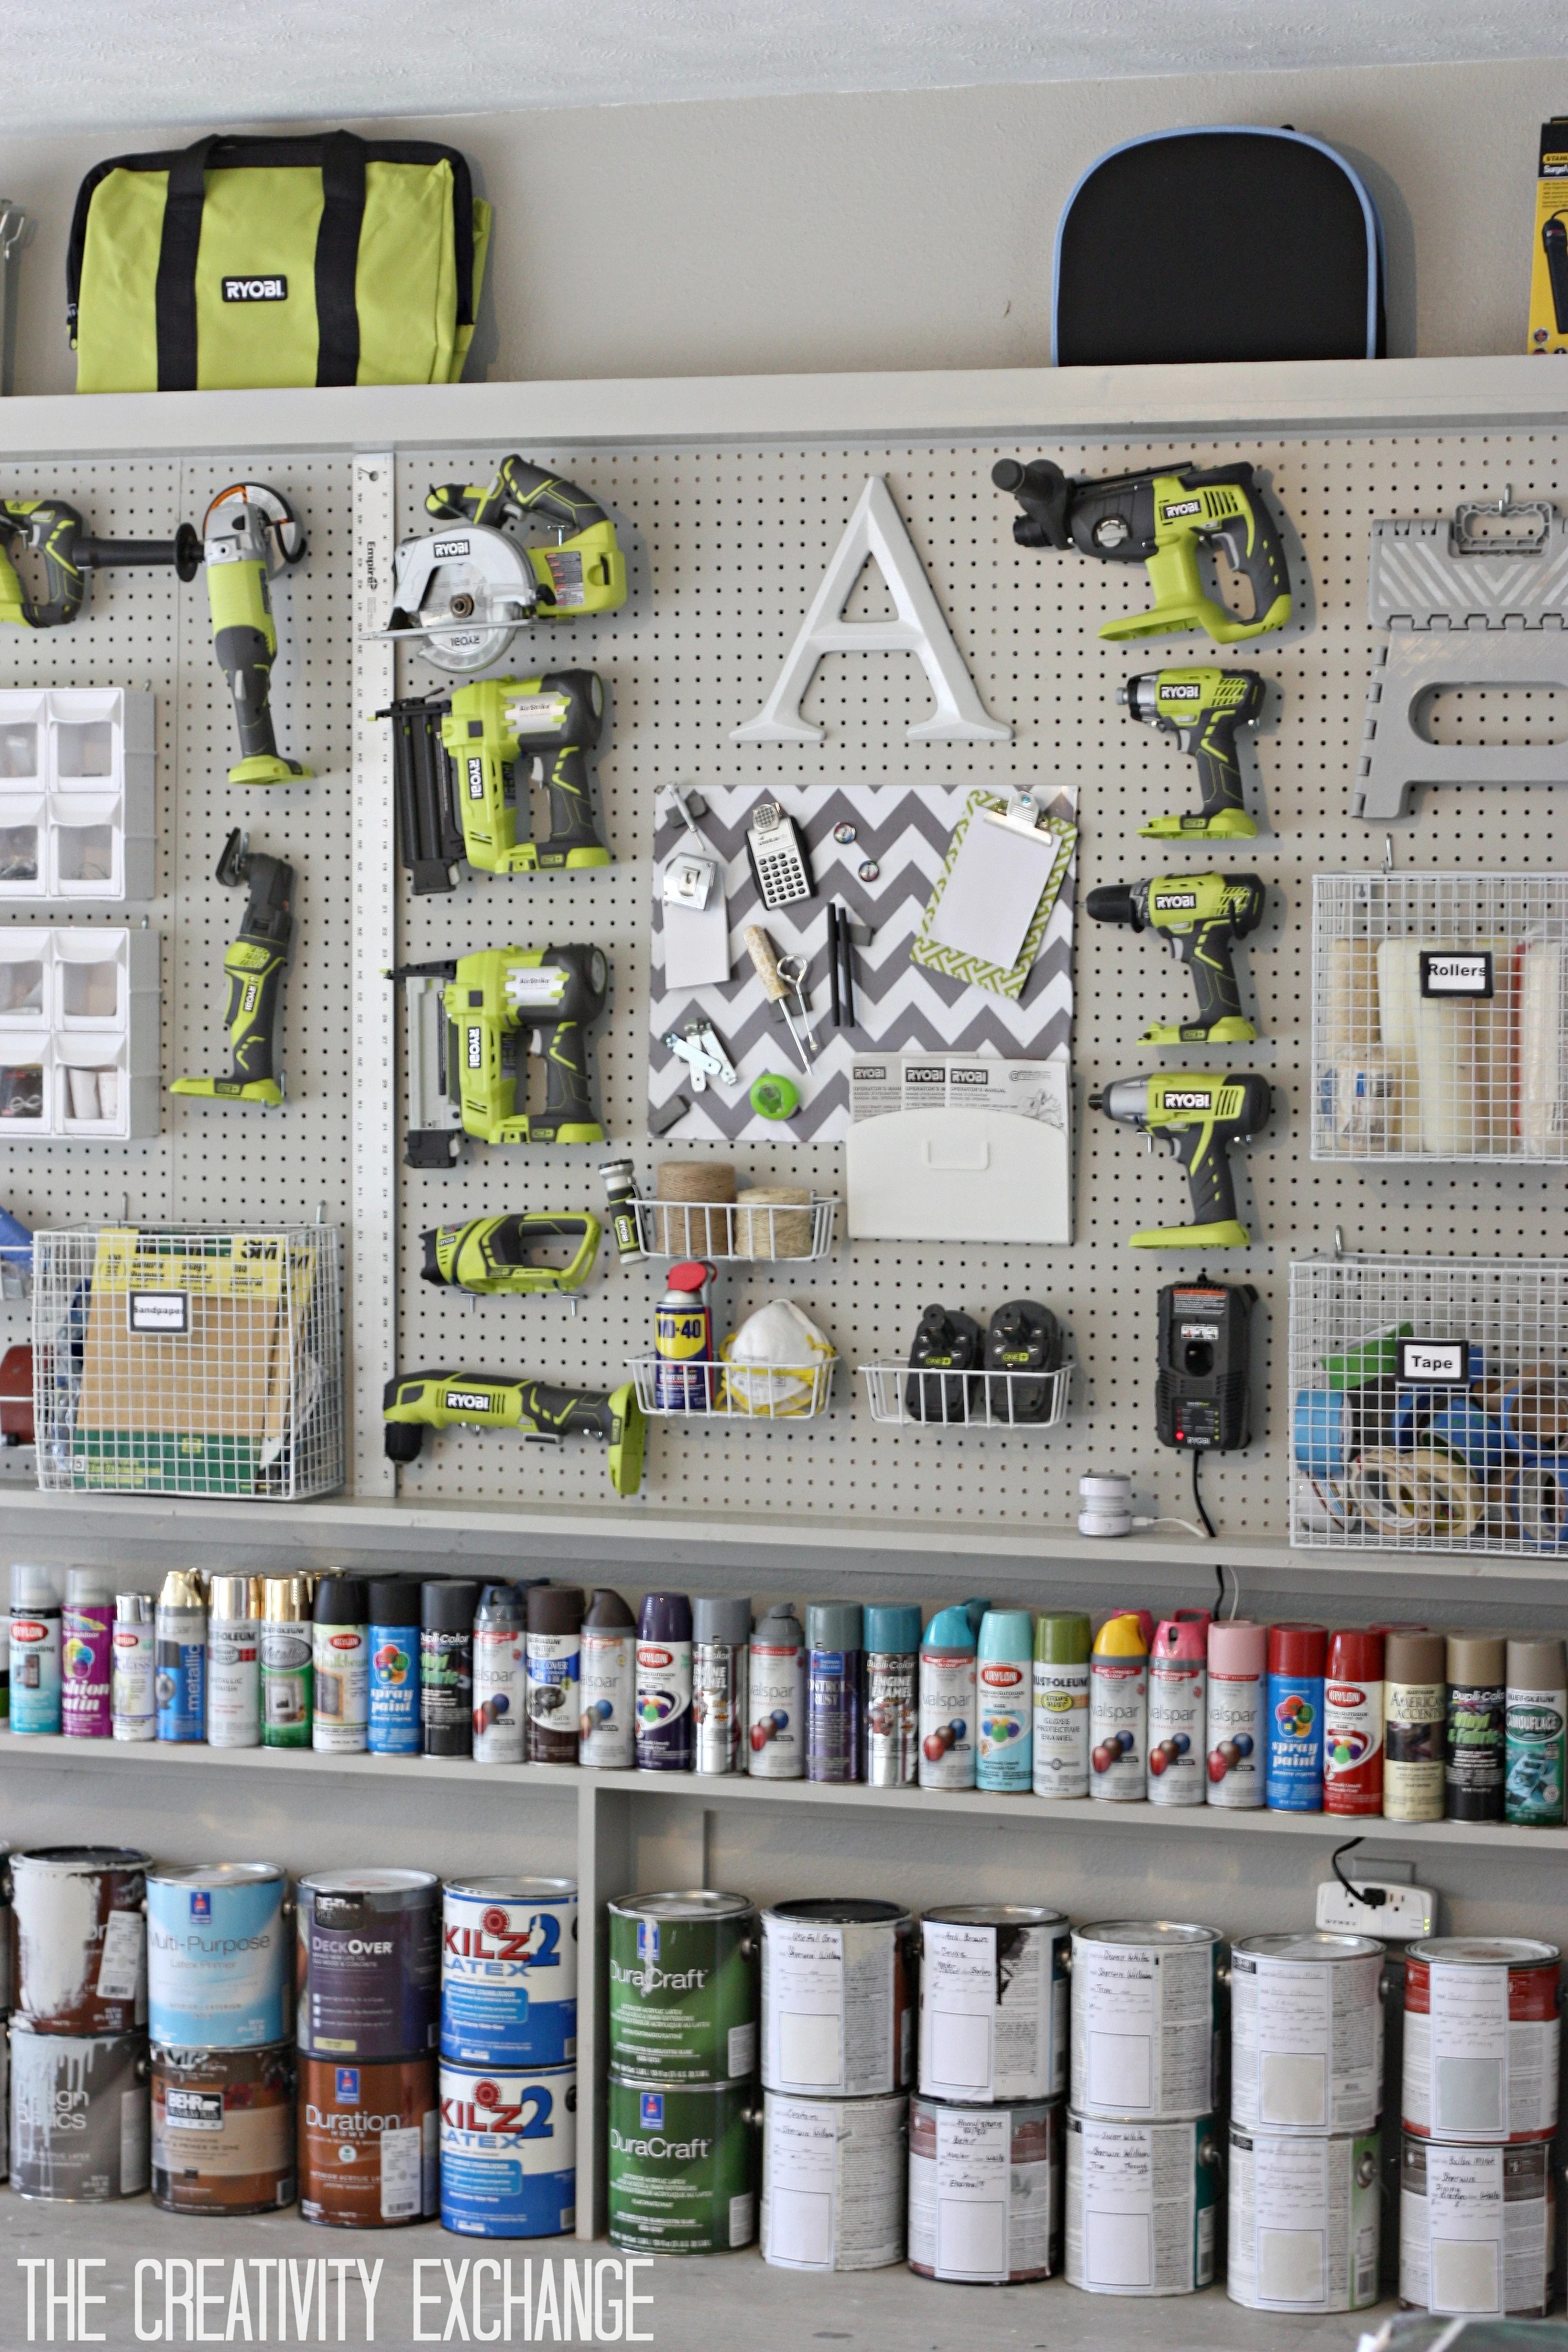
742, 1231
901, 1398
709, 1389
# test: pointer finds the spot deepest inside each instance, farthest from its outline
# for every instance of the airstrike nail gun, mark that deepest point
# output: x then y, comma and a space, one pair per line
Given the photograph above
1161, 520
466, 1018
417, 1402
1199, 915
1196, 1114
47, 527
1202, 709
255, 965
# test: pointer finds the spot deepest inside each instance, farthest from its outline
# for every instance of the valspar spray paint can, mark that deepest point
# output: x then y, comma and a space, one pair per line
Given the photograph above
1005, 1701
835, 2182
81, 1964
682, 2166
1537, 1713
1415, 1708
340, 1659
683, 1986
500, 1677
223, 2130
180, 1683
1237, 1740
234, 1661
1119, 1708
986, 2191
721, 1682
508, 1971
891, 1747
835, 1688
607, 1729
394, 1727
87, 1647
664, 1742
80, 2115
369, 1963
1145, 2018
1478, 2229
219, 1956
947, 1702
1143, 2202
1062, 1638
1481, 2037
837, 1996
1304, 2221
994, 2002
1178, 1708
777, 1702
131, 1689
387, 2116
1477, 1671
554, 1673
1297, 1657
1352, 1724
34, 1636
447, 1666
287, 1645
1306, 2032
509, 2150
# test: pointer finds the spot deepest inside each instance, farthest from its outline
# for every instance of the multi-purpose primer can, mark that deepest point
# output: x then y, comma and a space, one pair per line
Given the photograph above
81, 1946
1478, 2229
1005, 1701
1297, 1655
369, 1963
947, 1702
340, 1660
508, 1971
994, 2002
1145, 2018
1415, 1707
86, 1649
684, 1986
1304, 2221
1178, 1708
1306, 2032
219, 1954
1537, 1714
1238, 1694
891, 1742
394, 1728
80, 2115
682, 2166
500, 1677
179, 1684
721, 1682
1119, 1708
1142, 2204
1477, 1674
555, 1674
1062, 1639
223, 2130
839, 2004
777, 1699
35, 1650
607, 1729
386, 2115
986, 2191
1482, 2038
835, 2182
835, 1688
665, 1739
234, 1661
1352, 1724
509, 2150
446, 1609
131, 1698
287, 1644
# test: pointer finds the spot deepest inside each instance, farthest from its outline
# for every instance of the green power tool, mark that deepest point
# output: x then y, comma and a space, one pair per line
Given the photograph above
1195, 1114
420, 1401
1202, 709
584, 571
555, 720
255, 965
1199, 914
55, 533
494, 1256
250, 535
467, 1017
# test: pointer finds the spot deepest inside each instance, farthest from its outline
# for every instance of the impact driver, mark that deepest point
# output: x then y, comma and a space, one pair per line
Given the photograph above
49, 530
420, 1401
1196, 1114
255, 965
1202, 709
1200, 915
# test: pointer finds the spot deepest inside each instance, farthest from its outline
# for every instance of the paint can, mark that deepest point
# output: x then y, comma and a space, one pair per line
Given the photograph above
682, 2166
180, 1673
1537, 1713
663, 1684
87, 1648
234, 1661
1062, 1639
1477, 2228
1178, 1709
1119, 1708
986, 2191
446, 1606
891, 1743
1143, 2205
369, 1963
994, 2002
1237, 1732
508, 1971
947, 1702
1145, 2018
1352, 1724
835, 2182
607, 1729
1005, 1702
131, 1698
394, 1605
683, 1986
1306, 2034
81, 1966
838, 1986
223, 2130
1477, 1674
1415, 1710
720, 1704
509, 2151
340, 1666
80, 2115
1481, 2037
1297, 1655
287, 1638
218, 1940
1304, 2221
835, 1688
553, 1662
777, 1746
368, 2142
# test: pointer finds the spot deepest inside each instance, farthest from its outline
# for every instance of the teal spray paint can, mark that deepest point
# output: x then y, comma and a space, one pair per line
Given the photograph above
1005, 1701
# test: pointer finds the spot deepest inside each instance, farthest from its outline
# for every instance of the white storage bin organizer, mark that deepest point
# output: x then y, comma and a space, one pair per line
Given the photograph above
79, 1032
76, 794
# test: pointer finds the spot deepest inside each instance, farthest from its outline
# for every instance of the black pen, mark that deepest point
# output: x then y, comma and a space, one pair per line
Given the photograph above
833, 960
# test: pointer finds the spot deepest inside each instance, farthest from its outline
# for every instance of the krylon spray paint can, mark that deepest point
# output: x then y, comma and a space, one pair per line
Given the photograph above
1352, 1724
777, 1744
1537, 1713
394, 1605
1178, 1709
1238, 1694
287, 1644
87, 1648
721, 1682
663, 1684
1005, 1701
835, 1688
1062, 1641
501, 1676
947, 1701
234, 1661
1297, 1657
554, 1664
180, 1685
340, 1660
35, 1638
891, 1743
607, 1665
1119, 1708
132, 1685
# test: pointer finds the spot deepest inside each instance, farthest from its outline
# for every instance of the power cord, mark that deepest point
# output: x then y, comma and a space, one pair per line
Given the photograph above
1373, 1900
1197, 1494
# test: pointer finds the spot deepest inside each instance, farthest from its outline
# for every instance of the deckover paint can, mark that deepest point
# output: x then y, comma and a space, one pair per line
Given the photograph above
1145, 2018
1306, 2032
837, 1996
368, 2142
683, 1986
1482, 2038
682, 2166
1304, 2221
1142, 2204
369, 1963
986, 2191
219, 1949
79, 2115
994, 2002
509, 2150
223, 2130
508, 1971
81, 1965
835, 2182
1477, 2228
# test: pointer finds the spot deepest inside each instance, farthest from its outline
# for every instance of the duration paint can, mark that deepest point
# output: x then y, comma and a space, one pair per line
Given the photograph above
1145, 2018
1237, 1730
1143, 2202
81, 1963
608, 1667
994, 2002
1118, 1709
777, 1705
682, 2166
218, 1941
368, 2142
509, 2151
986, 2191
835, 2182
508, 1971
1178, 1708
683, 1986
1482, 2039
1304, 2221
1306, 2032
79, 2115
223, 2130
837, 1996
1062, 1640
1478, 2229
890, 1747
369, 1963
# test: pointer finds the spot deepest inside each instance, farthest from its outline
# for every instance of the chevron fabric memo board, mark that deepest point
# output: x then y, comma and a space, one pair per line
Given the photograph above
900, 1007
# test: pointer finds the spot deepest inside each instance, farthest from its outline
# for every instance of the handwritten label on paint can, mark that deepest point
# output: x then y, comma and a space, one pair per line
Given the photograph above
1144, 2018
1140, 2202
986, 2191
1304, 2228
1482, 2038
994, 2004
837, 2016
1477, 2228
835, 2182
1306, 2032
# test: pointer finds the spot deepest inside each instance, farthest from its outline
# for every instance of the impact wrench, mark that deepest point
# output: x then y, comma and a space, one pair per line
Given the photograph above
1196, 1114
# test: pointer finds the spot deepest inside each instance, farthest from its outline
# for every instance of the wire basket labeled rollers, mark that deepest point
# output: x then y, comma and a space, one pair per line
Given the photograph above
1440, 1016
1429, 1405
927, 1400
766, 1221
189, 1362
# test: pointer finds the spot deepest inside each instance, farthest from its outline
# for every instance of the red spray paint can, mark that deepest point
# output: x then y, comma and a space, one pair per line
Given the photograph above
1352, 1724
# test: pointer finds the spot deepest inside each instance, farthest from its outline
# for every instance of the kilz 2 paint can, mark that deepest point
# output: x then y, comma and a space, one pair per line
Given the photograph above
1478, 2229
369, 1963
682, 2166
1304, 2221
683, 1986
1143, 2200
837, 1996
1482, 2040
369, 2143
1306, 2034
986, 2191
79, 2115
509, 2151
508, 1971
81, 1966
1145, 2018
835, 2182
223, 2130
218, 1953
994, 2002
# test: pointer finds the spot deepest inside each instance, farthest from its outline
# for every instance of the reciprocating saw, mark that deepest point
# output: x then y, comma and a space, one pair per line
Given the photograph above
254, 965
49, 530
1198, 1115
1161, 520
468, 1018
456, 762
1199, 915
1202, 708
420, 1401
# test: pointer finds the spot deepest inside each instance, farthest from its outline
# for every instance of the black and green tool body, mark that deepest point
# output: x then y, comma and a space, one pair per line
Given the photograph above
417, 1402
458, 792
56, 535
584, 571
250, 536
495, 1256
468, 1018
254, 964
1203, 708
1196, 1114
1199, 915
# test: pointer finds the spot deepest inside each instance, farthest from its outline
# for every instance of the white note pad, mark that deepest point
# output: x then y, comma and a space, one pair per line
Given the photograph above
989, 898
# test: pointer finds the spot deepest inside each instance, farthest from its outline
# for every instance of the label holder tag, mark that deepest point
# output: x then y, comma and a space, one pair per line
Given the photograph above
158, 1314
1453, 971
1433, 1363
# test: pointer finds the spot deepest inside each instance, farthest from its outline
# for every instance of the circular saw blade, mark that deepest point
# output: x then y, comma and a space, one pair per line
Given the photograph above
463, 592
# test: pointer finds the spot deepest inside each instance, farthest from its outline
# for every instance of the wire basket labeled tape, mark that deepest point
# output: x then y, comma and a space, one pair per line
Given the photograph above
764, 1222
1440, 1016
1429, 1405
927, 1400
714, 1388
171, 1362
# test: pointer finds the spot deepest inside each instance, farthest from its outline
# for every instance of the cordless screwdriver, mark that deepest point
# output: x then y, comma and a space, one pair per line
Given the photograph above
1200, 915
1201, 708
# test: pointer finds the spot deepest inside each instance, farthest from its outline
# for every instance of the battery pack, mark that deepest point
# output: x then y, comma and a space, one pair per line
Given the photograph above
1201, 1395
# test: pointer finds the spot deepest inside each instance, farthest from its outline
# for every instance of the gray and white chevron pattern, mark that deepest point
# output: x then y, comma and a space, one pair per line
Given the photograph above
900, 1007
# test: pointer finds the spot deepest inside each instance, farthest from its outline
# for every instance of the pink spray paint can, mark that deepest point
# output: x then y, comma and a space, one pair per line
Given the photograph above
1178, 1708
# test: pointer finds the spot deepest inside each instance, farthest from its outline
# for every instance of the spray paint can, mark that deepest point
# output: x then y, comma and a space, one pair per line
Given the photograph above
663, 1684
1297, 1657
1415, 1713
131, 1689
1062, 1642
287, 1640
501, 1676
947, 1702
180, 1677
1537, 1712
234, 1661
1178, 1708
35, 1649
619, 1180
1005, 1701
86, 1646
1119, 1708
607, 1729
394, 1605
777, 1744
1238, 1740
683, 1340
891, 1743
341, 1666
447, 1666
1352, 1724
835, 1688
720, 1708
1477, 1674
554, 1614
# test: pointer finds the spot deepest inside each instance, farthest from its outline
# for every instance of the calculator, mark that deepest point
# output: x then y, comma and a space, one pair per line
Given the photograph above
777, 848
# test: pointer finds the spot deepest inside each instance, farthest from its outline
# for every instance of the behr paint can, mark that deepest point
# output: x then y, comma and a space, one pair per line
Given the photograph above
79, 2115
682, 2166
1143, 2202
369, 1963
835, 2182
81, 1964
1145, 2018
1481, 2037
219, 1974
509, 2150
683, 1986
1477, 2228
223, 2130
837, 1996
607, 1667
994, 2002
1306, 2032
1304, 2221
368, 2142
508, 1971
986, 2191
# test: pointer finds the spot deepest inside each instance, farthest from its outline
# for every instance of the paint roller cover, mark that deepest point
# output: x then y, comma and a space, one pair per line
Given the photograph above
1398, 998
1350, 1010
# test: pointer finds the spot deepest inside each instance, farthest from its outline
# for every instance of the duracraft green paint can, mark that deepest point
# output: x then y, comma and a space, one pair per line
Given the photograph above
683, 1987
683, 2166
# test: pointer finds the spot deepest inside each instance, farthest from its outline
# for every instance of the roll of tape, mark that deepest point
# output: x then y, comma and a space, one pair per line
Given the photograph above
1424, 1497
1538, 1504
1322, 1427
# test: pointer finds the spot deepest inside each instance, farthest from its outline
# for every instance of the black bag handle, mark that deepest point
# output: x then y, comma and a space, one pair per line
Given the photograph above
175, 298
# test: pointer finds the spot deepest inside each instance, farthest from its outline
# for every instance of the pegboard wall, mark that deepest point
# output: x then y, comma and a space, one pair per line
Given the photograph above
725, 547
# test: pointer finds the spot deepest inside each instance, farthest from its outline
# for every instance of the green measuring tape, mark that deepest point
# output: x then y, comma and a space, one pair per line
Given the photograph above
774, 1097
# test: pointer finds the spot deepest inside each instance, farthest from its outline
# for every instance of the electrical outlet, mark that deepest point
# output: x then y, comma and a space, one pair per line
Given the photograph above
1407, 1911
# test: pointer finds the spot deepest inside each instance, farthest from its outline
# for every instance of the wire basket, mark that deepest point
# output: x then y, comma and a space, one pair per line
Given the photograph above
1440, 1016
1429, 1405
925, 1399
199, 1363
709, 1389
725, 1232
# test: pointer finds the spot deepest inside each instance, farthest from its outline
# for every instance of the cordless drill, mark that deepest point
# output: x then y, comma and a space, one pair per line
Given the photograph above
584, 571
1199, 914
50, 529
250, 535
420, 1401
1197, 1114
254, 964
490, 1002
1161, 520
1202, 708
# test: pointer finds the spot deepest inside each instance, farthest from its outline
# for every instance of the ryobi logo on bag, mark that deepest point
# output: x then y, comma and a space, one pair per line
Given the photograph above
255, 289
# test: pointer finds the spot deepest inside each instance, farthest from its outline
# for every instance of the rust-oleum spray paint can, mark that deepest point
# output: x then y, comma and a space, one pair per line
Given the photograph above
1415, 1709
447, 1666
1178, 1708
720, 1678
607, 1665
1118, 1707
286, 1646
835, 1688
554, 1673
1062, 1641
777, 1742
1352, 1724
501, 1674
663, 1684
1537, 1712
1473, 1747
234, 1661
891, 1743
1238, 1734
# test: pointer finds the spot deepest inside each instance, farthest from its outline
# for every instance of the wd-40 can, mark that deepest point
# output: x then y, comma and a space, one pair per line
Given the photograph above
1178, 1708
891, 1739
393, 1604
683, 1341
1005, 1701
777, 1743
508, 1971
721, 1638
663, 1684
1061, 1703
607, 1667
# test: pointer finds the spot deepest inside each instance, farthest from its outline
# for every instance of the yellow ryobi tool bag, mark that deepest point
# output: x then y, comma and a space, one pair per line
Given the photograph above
236, 262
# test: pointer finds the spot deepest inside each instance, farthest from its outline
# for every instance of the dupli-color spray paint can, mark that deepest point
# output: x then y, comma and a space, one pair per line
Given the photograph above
1473, 1747
1297, 1657
721, 1681
447, 1664
835, 1687
1118, 1707
1005, 1701
181, 1676
777, 1742
1352, 1724
35, 1649
947, 1702
393, 1604
1062, 1639
663, 1684
1238, 1695
1178, 1708
890, 1747
1537, 1711
87, 1648
607, 1729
